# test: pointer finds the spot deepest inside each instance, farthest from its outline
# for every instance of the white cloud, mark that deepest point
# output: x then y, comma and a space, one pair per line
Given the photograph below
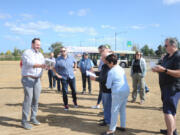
137, 27
92, 31
26, 16
12, 38
35, 28
4, 16
170, 2
21, 29
24, 31
71, 12
155, 25
15, 38
63, 35
87, 30
40, 25
80, 12
107, 27
107, 40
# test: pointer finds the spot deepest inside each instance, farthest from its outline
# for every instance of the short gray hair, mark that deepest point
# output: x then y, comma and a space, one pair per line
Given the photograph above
172, 41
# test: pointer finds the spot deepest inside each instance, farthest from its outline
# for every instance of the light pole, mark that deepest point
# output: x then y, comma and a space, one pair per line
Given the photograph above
80, 43
115, 40
115, 34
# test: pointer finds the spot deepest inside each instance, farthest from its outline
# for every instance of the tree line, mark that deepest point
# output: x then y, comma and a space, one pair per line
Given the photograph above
55, 47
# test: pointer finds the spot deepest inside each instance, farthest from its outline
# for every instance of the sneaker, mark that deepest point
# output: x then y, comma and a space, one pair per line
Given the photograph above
103, 124
101, 120
164, 131
83, 92
147, 91
141, 102
133, 101
27, 126
35, 122
105, 133
75, 105
66, 108
95, 107
90, 93
121, 129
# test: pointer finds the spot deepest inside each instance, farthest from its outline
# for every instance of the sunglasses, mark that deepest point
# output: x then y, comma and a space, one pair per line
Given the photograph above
63, 51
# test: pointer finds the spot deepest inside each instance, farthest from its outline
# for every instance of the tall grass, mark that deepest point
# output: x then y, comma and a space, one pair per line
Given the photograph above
9, 58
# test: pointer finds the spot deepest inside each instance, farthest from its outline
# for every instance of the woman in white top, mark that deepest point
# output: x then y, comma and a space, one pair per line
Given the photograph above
117, 82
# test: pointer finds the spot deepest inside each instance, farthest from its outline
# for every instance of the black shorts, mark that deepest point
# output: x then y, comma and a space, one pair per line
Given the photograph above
170, 99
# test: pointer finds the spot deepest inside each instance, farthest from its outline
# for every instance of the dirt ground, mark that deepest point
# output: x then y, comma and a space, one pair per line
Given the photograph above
144, 119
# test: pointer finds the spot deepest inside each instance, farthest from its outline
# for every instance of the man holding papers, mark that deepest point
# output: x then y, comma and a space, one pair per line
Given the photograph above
106, 93
32, 68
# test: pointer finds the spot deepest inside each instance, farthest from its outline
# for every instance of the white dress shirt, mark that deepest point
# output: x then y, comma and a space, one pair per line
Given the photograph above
29, 58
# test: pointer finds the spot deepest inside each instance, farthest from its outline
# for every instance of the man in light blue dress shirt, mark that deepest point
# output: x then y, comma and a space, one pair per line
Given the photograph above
64, 69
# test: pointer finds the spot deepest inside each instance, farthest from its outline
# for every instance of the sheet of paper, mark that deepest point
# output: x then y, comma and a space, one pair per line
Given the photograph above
152, 64
49, 62
88, 73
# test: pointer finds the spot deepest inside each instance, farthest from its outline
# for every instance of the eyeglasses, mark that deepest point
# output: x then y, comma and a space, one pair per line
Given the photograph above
63, 51
138, 54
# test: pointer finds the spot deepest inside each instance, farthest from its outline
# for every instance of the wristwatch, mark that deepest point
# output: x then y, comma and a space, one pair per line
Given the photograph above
165, 70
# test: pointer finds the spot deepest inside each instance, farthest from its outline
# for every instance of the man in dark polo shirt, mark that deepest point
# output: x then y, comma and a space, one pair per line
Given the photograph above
169, 80
106, 93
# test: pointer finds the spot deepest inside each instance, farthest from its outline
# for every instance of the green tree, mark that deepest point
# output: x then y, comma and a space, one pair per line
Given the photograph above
179, 45
145, 50
2, 53
160, 50
17, 52
55, 47
9, 53
151, 52
41, 50
135, 48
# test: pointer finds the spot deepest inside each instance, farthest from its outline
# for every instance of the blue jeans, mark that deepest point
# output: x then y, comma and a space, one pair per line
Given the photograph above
52, 79
84, 78
107, 99
58, 84
99, 96
72, 84
119, 101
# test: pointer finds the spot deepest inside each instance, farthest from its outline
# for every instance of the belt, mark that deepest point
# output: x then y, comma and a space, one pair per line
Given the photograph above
33, 77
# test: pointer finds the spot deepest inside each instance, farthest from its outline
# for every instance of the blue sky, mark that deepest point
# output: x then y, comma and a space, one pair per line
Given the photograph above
88, 22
